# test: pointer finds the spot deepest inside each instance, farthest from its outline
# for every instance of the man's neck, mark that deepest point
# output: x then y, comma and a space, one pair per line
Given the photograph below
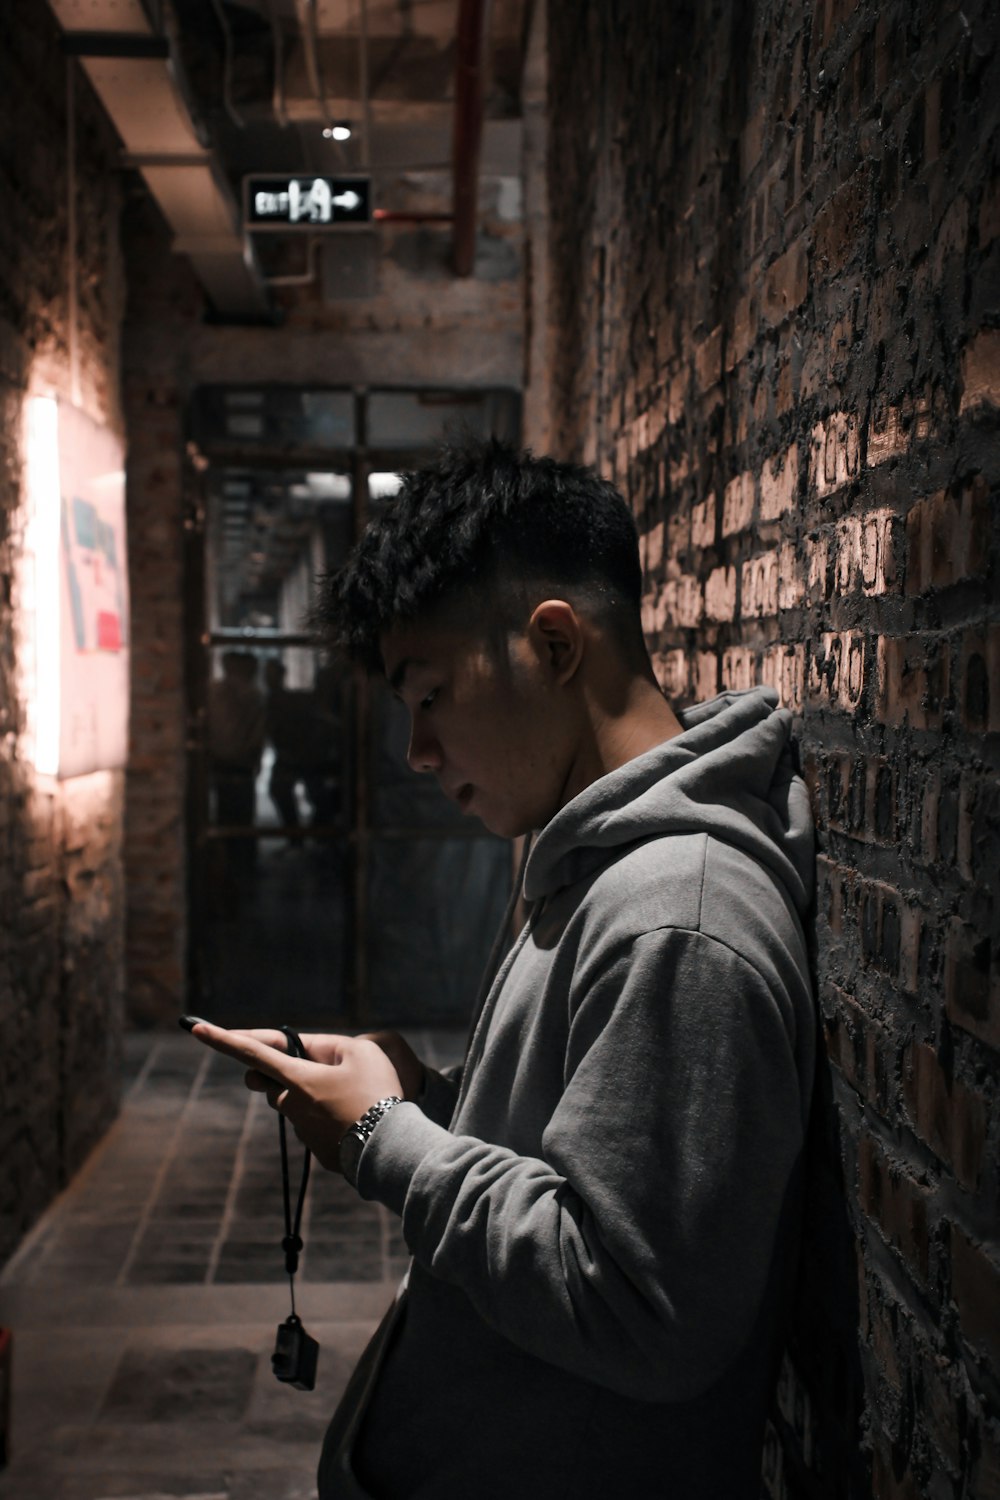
638, 720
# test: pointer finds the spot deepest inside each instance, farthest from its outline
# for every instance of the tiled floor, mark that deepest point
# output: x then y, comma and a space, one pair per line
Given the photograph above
144, 1304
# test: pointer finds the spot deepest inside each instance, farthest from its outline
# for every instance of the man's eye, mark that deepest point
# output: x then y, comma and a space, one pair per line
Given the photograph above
427, 702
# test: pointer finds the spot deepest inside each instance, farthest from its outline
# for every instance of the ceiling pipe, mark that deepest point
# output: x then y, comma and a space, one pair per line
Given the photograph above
470, 97
278, 43
305, 11
364, 85
227, 65
137, 75
408, 216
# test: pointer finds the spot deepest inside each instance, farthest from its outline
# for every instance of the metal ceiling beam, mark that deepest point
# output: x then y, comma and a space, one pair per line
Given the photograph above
470, 97
135, 74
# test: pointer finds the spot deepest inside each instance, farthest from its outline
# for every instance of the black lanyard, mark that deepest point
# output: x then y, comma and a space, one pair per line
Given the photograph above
295, 1353
292, 1242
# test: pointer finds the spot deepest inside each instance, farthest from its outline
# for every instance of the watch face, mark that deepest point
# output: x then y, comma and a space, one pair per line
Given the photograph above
351, 1148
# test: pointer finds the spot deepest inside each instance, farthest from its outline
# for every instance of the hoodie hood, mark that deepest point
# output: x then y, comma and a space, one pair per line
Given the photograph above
730, 773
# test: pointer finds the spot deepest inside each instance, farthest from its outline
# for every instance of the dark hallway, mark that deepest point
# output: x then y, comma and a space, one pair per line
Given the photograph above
259, 258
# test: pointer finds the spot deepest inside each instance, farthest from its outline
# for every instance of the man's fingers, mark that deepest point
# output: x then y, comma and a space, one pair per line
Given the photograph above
269, 1037
262, 1057
276, 1095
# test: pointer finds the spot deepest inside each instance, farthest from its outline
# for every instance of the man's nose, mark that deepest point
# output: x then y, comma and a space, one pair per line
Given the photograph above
424, 753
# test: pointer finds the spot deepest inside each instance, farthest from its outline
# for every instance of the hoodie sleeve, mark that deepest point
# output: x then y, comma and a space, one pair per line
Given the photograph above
439, 1094
634, 1251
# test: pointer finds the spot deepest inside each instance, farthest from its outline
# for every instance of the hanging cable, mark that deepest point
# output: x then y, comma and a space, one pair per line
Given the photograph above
363, 85
227, 64
295, 1353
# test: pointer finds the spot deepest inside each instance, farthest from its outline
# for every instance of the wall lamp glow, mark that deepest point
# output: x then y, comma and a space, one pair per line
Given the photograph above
339, 132
43, 544
74, 604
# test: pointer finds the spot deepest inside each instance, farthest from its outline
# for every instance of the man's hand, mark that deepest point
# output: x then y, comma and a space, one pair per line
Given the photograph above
403, 1058
321, 1096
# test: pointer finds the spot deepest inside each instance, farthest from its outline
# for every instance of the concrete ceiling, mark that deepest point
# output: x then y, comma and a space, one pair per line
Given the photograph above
202, 92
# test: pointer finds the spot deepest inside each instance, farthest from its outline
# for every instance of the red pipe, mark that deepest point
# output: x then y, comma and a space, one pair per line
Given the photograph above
470, 94
403, 216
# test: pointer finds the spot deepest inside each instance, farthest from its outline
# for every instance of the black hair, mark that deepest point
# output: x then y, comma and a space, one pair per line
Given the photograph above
484, 519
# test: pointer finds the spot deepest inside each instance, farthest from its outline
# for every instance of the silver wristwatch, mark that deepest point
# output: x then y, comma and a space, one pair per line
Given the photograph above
353, 1142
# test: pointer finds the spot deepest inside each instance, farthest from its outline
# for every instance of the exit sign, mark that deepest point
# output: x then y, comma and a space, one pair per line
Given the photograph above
305, 202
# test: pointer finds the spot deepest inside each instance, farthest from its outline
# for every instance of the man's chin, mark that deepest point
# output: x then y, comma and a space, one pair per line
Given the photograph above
504, 825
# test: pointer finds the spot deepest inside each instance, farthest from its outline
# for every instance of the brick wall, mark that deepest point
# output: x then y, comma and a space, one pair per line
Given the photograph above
61, 947
775, 304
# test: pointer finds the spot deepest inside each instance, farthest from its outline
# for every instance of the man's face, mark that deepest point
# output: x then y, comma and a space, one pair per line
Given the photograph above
486, 719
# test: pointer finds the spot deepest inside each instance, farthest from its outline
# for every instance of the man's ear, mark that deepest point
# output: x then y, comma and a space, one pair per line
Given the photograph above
556, 633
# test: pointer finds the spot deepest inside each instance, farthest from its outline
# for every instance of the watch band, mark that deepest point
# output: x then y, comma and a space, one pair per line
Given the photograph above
356, 1135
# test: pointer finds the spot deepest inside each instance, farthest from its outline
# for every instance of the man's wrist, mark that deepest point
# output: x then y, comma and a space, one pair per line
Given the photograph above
356, 1137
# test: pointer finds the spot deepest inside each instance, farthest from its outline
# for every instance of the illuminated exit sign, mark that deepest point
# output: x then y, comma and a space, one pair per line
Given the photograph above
306, 202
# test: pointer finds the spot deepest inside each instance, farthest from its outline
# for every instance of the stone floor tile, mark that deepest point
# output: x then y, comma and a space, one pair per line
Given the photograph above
145, 1303
189, 1385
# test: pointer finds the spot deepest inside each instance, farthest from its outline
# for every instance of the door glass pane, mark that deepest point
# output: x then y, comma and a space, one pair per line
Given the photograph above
320, 897
274, 872
418, 419
275, 416
276, 859
269, 533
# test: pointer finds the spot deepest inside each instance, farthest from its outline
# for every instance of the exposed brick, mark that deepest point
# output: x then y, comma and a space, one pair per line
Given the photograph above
979, 680
985, 1472
912, 680
651, 548
683, 601
673, 671
981, 371
837, 670
887, 1484
834, 455
897, 1202
720, 594
737, 507
791, 586
847, 247
838, 225
779, 479
60, 857
989, 213
759, 586
951, 1118
947, 538
706, 675
708, 360
784, 667
703, 523
739, 668
786, 283
972, 984
889, 436
744, 330
817, 554
975, 1287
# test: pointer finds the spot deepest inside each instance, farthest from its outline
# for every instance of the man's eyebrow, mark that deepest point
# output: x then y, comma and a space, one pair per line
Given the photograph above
398, 676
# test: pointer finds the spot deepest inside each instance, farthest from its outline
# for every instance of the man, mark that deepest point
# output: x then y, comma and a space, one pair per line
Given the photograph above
602, 1207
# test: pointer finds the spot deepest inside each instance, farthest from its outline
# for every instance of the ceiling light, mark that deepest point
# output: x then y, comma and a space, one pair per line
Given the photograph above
339, 132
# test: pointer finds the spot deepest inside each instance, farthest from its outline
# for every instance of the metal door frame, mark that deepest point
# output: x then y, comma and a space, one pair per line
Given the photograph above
360, 461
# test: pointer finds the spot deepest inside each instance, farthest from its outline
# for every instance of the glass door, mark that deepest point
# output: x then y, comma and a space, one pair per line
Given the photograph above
328, 884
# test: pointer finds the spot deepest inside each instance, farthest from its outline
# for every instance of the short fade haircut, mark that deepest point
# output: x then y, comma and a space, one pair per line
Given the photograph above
488, 521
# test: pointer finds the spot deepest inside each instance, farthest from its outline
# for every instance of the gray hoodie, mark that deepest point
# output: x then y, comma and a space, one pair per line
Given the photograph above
602, 1212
